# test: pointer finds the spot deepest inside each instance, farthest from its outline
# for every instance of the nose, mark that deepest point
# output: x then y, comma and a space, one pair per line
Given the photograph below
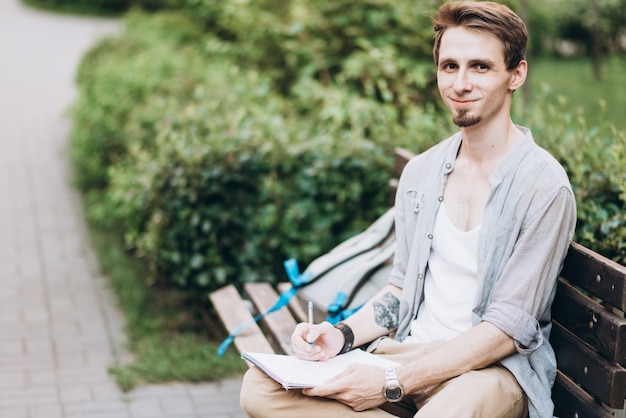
462, 81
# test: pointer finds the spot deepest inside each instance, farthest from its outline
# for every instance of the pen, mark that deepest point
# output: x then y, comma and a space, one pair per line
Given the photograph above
310, 306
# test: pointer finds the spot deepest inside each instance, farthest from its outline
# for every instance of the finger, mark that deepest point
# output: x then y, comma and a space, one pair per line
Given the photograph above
311, 353
334, 387
299, 336
311, 336
305, 337
321, 391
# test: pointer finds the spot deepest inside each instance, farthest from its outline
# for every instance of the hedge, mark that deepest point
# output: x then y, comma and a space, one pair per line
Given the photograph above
595, 160
212, 175
105, 7
215, 174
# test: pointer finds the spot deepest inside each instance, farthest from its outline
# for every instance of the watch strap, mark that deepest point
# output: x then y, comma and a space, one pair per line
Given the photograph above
390, 374
348, 337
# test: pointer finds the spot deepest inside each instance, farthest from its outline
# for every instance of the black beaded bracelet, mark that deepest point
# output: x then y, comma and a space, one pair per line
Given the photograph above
348, 337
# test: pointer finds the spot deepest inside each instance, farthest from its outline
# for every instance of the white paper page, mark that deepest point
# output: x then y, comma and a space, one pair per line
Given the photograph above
293, 372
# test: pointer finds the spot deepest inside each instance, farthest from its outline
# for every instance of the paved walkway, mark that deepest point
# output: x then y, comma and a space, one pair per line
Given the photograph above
59, 326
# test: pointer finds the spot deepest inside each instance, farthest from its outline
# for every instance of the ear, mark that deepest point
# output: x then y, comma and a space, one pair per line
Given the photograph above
518, 75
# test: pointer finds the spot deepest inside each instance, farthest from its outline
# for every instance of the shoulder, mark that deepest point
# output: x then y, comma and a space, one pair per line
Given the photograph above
532, 164
546, 168
542, 181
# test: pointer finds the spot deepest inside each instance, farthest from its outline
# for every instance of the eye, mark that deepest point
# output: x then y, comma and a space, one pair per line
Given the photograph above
448, 66
482, 67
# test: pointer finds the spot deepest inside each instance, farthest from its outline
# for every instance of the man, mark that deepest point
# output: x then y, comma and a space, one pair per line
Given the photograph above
483, 223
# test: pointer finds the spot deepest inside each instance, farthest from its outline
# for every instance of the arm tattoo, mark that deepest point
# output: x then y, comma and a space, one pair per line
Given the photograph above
386, 310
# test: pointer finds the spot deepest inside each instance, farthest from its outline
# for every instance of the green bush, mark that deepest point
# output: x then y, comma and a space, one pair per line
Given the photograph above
380, 49
216, 173
105, 7
158, 58
213, 175
236, 181
595, 160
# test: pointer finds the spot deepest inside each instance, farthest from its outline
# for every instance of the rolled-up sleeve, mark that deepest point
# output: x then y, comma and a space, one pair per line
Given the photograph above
521, 297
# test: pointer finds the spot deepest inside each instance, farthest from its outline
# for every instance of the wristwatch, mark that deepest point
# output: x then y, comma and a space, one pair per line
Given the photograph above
393, 390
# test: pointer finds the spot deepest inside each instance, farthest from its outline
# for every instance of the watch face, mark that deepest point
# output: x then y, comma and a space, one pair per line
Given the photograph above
393, 393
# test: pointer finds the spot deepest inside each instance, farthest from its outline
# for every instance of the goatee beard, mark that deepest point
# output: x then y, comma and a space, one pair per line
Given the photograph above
463, 120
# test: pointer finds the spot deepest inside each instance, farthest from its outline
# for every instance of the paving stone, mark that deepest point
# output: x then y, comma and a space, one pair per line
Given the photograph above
60, 327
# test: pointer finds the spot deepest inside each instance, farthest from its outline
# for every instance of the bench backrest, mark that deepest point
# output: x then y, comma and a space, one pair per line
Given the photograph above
589, 329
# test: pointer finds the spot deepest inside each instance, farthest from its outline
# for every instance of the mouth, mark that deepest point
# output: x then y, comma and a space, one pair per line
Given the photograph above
461, 103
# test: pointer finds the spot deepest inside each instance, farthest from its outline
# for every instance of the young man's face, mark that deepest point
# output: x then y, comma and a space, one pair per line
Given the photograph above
472, 76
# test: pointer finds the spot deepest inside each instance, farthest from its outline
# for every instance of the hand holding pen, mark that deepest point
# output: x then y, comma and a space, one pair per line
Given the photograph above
316, 342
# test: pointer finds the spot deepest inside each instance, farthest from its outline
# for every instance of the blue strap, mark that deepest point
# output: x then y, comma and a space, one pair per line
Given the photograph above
333, 318
297, 280
282, 301
335, 307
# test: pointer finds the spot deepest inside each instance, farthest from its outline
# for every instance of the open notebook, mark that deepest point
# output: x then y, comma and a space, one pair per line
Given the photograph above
294, 373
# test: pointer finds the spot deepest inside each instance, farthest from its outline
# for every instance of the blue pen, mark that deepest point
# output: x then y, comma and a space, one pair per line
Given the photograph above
312, 343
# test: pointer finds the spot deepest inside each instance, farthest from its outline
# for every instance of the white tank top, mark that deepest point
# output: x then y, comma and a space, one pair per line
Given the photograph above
450, 283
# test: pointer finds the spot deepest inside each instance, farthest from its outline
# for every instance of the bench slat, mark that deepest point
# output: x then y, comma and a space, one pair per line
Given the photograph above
596, 274
393, 188
604, 330
280, 324
401, 157
571, 401
233, 312
298, 312
598, 376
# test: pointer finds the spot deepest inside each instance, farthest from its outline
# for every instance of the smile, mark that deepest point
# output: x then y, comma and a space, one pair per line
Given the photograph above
462, 103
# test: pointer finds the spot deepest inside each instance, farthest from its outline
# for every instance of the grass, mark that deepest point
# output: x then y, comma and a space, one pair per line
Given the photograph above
167, 335
571, 81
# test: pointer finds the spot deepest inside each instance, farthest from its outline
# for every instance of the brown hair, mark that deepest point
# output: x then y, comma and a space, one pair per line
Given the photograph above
488, 17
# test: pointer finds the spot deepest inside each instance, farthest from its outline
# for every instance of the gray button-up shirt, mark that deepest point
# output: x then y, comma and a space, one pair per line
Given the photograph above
527, 227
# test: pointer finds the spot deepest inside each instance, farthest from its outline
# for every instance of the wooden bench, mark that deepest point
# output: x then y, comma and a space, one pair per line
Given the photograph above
588, 336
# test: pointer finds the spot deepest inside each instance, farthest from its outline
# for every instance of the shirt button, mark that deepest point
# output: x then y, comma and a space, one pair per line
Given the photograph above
448, 166
440, 198
430, 236
420, 276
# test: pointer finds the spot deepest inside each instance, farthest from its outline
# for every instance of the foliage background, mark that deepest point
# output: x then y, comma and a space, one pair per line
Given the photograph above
223, 137
215, 138
218, 163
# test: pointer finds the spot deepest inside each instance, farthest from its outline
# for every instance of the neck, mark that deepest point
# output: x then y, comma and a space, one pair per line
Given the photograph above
489, 143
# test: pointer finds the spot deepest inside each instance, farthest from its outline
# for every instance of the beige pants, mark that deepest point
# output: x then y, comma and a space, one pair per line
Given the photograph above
492, 392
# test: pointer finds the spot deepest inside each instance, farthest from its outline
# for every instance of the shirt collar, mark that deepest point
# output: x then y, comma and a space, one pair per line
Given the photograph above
511, 161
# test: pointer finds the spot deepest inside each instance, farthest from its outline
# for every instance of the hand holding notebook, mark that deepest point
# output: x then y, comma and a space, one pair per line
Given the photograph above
294, 373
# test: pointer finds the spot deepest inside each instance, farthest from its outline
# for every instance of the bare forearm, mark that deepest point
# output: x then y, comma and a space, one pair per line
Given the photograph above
376, 318
479, 347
